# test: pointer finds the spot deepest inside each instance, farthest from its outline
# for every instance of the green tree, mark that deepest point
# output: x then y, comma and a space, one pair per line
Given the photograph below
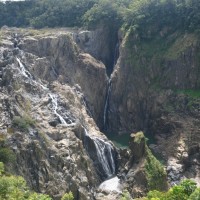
15, 188
189, 186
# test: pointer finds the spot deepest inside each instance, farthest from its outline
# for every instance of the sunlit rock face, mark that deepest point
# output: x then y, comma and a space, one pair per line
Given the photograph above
51, 94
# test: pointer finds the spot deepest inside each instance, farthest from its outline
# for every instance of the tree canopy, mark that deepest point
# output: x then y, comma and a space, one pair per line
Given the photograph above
142, 15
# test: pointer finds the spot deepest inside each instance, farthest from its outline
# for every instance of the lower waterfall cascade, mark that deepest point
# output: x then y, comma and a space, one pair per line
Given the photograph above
102, 153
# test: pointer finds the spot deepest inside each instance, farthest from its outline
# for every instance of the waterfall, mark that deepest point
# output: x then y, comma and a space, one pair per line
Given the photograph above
28, 75
109, 88
53, 97
25, 72
102, 153
54, 71
116, 54
55, 107
106, 107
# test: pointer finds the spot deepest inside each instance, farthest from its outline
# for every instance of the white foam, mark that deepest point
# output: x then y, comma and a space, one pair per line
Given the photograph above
111, 185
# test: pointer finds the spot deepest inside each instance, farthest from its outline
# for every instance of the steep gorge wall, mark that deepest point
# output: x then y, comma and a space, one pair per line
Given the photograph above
155, 88
146, 71
61, 59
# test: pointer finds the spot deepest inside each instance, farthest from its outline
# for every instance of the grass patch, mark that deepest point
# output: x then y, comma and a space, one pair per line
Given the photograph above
180, 45
23, 123
190, 93
141, 52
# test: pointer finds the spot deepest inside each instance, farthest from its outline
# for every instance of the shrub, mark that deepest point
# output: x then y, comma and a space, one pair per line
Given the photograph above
6, 155
125, 195
23, 123
138, 137
186, 190
36, 196
15, 188
155, 172
189, 186
195, 195
68, 196
1, 168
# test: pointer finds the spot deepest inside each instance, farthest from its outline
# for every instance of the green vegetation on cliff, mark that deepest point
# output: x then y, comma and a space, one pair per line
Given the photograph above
23, 123
156, 175
15, 188
186, 190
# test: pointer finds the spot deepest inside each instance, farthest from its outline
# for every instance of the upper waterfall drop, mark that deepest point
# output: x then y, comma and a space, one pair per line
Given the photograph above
109, 88
23, 70
55, 107
46, 90
28, 75
106, 107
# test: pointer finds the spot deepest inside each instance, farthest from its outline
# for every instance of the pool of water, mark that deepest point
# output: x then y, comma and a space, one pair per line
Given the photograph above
120, 141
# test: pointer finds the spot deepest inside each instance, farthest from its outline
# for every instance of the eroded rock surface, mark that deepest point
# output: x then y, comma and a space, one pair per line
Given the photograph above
49, 99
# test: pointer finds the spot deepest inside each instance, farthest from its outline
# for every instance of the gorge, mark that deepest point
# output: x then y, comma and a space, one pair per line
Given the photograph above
108, 113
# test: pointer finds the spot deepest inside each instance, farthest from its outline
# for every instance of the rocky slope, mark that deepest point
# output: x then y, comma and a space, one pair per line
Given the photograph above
50, 93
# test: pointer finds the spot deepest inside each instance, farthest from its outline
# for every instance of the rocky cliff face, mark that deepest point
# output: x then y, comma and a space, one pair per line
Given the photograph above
55, 95
155, 88
51, 93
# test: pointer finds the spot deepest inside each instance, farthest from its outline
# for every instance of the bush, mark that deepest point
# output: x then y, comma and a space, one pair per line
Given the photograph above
125, 195
1, 168
68, 196
138, 137
15, 188
23, 123
186, 190
188, 186
6, 155
155, 172
195, 195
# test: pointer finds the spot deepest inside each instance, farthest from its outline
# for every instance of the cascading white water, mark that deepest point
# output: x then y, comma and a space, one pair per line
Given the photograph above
54, 72
23, 70
55, 107
104, 153
105, 113
53, 97
28, 75
105, 156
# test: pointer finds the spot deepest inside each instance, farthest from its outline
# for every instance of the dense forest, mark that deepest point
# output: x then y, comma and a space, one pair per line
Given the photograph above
141, 15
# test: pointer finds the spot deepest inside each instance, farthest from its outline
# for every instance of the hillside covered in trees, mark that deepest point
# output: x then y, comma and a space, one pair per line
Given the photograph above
140, 14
